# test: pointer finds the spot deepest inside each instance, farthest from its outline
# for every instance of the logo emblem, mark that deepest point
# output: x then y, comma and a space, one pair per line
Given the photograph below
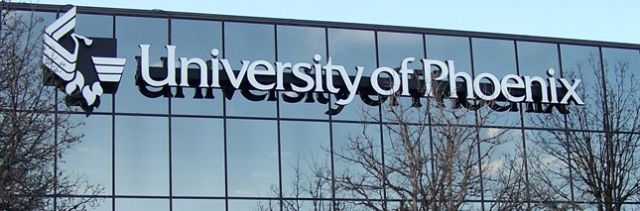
84, 68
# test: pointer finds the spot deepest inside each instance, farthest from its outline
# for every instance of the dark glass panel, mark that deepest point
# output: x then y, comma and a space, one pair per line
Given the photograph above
300, 44
90, 159
305, 153
97, 26
142, 156
535, 59
196, 39
197, 204
142, 204
197, 153
131, 32
244, 41
351, 48
252, 160
498, 58
353, 144
583, 63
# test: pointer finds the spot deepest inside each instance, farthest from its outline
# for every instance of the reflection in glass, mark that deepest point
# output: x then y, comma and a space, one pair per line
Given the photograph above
393, 48
316, 205
142, 158
105, 205
244, 41
548, 160
254, 205
90, 159
450, 48
197, 204
353, 143
196, 39
101, 204
503, 171
622, 69
305, 157
131, 32
26, 39
582, 62
534, 59
197, 153
252, 159
142, 204
397, 148
456, 157
300, 44
96, 26
351, 48
456, 49
498, 58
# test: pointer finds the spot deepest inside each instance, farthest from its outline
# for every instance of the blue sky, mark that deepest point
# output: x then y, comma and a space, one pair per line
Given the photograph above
615, 20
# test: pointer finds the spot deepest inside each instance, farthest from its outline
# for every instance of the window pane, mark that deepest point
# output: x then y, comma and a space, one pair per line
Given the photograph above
503, 171
196, 39
582, 62
351, 48
300, 44
142, 156
456, 49
316, 205
197, 157
97, 204
94, 25
97, 26
252, 161
198, 204
90, 159
142, 204
455, 150
548, 157
534, 59
254, 205
498, 58
352, 145
450, 48
397, 148
252, 42
305, 152
393, 48
131, 32
622, 68
27, 38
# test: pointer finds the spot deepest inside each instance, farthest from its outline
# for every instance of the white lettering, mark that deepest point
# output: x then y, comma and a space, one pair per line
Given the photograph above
352, 87
506, 84
146, 75
235, 80
395, 82
299, 72
405, 71
255, 71
263, 75
184, 71
493, 80
428, 74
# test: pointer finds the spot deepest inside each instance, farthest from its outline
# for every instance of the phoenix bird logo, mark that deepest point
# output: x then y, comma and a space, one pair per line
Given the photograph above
87, 67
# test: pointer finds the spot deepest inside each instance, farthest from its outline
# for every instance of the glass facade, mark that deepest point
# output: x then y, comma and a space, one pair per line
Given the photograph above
231, 153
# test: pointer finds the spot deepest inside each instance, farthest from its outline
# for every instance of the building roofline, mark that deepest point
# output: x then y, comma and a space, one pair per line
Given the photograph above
310, 23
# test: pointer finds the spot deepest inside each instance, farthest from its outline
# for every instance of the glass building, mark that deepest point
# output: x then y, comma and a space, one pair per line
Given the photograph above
275, 150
